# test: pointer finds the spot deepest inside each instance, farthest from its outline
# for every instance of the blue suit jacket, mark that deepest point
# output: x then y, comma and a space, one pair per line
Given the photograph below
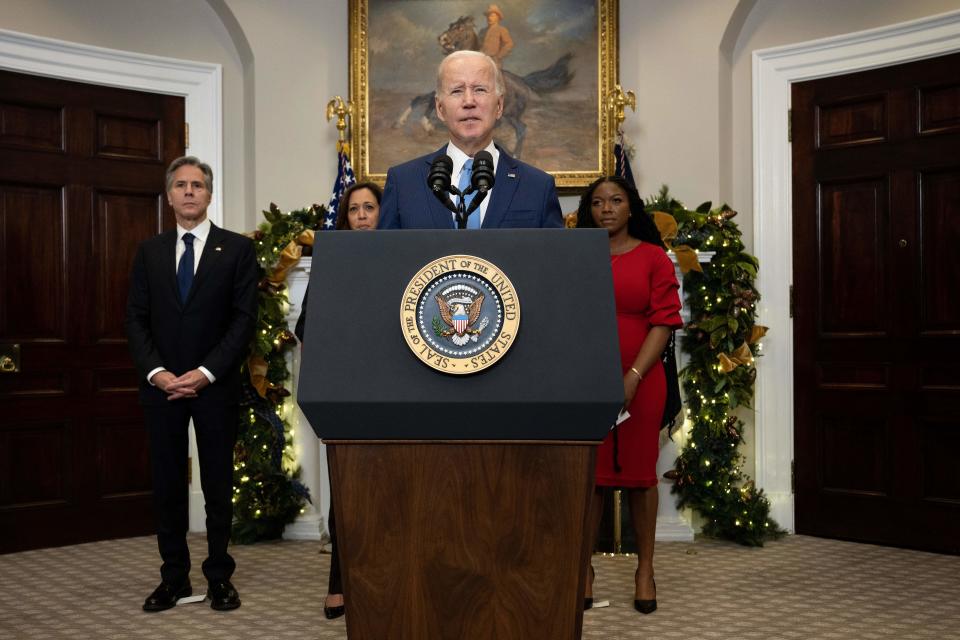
522, 197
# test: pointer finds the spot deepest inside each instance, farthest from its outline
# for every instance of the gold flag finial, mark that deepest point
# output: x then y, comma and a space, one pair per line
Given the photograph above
337, 107
617, 99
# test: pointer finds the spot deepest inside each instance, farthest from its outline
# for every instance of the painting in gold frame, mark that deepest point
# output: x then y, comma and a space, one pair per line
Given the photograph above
562, 65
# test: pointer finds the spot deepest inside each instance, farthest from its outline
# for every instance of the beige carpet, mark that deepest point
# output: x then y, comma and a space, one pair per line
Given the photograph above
796, 588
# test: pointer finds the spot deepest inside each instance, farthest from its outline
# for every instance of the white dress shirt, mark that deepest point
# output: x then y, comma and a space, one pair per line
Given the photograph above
200, 233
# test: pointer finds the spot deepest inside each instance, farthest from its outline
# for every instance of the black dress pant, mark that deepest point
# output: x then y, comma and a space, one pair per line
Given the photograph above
216, 431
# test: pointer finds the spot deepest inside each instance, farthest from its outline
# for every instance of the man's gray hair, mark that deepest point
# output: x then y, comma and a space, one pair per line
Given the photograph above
193, 161
466, 53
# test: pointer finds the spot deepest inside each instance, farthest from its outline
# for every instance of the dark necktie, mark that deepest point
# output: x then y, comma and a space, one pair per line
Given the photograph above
473, 222
185, 268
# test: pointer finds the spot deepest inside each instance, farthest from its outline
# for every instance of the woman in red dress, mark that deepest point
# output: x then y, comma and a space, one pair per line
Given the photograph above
648, 309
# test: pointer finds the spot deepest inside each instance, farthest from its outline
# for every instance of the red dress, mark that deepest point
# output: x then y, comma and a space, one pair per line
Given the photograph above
646, 293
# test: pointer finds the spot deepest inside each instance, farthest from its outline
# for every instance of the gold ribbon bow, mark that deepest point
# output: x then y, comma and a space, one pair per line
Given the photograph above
288, 257
667, 226
742, 356
306, 238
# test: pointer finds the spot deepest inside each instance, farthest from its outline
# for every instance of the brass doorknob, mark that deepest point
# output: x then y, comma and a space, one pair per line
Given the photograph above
903, 243
9, 358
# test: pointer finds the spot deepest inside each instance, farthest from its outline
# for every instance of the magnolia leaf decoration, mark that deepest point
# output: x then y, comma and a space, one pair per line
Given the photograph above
258, 374
757, 332
686, 257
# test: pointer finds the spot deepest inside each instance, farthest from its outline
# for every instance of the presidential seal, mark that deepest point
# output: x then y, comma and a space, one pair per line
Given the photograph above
460, 314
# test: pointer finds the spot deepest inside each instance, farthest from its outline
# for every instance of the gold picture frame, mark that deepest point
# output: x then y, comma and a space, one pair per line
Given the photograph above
565, 51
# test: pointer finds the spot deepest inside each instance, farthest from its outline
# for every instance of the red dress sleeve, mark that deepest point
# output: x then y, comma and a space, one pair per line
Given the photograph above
664, 307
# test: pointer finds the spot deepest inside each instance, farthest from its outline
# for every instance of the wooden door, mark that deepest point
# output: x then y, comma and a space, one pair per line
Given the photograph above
876, 215
81, 184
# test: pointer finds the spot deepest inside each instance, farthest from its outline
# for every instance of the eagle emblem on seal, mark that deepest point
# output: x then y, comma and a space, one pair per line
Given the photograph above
460, 307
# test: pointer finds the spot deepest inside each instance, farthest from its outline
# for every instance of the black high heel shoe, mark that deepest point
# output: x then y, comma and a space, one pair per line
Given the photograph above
646, 606
332, 613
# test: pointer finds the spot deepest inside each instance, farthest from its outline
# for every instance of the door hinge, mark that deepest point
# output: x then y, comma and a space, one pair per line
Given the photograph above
186, 135
793, 302
793, 476
789, 125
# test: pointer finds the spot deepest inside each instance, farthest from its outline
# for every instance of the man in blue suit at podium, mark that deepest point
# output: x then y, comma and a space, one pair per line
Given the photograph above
469, 102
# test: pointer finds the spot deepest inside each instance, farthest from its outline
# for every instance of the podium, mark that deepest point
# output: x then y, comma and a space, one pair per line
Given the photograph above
461, 499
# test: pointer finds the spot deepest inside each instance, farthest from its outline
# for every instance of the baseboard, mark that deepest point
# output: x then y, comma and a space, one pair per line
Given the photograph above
674, 529
308, 527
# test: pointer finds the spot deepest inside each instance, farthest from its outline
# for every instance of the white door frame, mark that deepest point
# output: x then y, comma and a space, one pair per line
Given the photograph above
773, 72
198, 82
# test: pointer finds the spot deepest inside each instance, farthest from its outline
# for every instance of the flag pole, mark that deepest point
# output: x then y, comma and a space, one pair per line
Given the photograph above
617, 101
337, 107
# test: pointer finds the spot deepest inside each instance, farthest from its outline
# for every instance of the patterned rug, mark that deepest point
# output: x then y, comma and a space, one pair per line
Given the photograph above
796, 588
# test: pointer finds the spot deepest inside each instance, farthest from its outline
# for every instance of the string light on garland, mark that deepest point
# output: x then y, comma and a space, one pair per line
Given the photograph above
721, 343
267, 492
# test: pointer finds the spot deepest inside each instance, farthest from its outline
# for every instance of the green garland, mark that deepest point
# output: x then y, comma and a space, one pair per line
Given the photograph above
722, 301
267, 492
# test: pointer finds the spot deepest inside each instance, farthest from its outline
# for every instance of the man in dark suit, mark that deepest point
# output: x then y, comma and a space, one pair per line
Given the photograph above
191, 314
469, 102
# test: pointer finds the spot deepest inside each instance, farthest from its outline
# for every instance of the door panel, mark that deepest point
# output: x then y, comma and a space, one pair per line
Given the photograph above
81, 184
32, 259
853, 301
939, 261
876, 195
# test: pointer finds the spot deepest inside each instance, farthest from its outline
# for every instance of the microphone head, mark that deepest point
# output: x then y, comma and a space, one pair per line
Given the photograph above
482, 178
439, 177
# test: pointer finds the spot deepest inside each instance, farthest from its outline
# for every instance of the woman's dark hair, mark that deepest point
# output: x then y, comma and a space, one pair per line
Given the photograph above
342, 221
639, 225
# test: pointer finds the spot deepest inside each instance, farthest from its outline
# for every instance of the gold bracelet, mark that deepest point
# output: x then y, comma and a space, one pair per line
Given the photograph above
639, 376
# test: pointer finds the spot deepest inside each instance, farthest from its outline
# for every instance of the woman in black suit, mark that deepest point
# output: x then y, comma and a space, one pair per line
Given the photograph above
359, 210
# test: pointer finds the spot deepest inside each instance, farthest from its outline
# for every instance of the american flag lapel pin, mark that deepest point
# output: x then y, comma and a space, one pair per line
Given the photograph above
218, 248
511, 175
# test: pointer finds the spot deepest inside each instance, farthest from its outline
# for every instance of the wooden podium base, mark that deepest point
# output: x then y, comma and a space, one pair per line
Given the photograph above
462, 539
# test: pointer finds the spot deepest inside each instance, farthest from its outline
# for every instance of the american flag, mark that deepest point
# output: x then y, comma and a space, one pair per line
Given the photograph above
345, 178
623, 162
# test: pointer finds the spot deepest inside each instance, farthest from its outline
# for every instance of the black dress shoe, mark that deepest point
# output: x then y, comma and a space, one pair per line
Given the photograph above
166, 595
587, 603
222, 596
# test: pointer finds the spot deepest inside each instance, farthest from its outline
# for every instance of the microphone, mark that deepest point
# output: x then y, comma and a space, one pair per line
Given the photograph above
439, 177
481, 180
439, 180
482, 177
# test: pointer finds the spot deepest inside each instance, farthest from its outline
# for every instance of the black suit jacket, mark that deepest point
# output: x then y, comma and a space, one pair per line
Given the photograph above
213, 328
523, 197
